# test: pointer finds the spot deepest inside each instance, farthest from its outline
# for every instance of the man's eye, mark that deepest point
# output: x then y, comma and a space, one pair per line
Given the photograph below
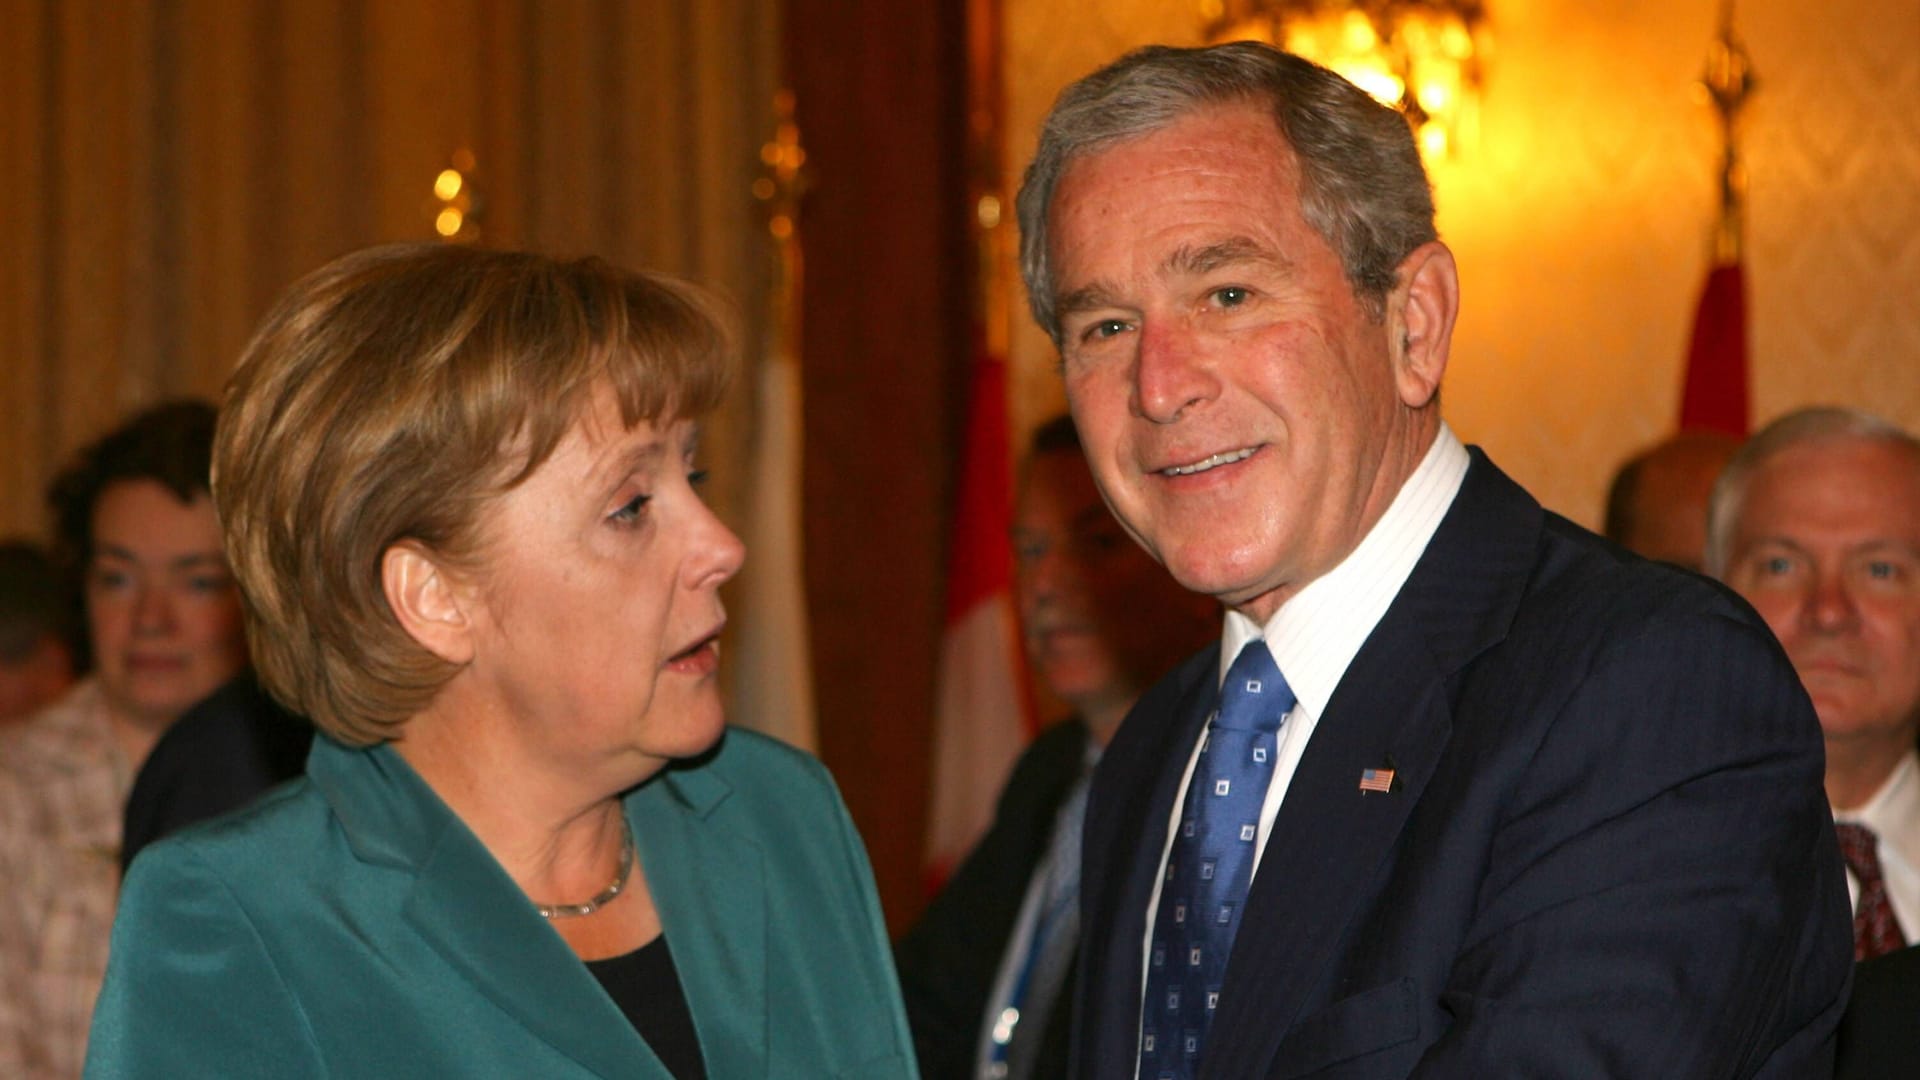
697, 479
1106, 328
1776, 565
1885, 570
1230, 296
630, 513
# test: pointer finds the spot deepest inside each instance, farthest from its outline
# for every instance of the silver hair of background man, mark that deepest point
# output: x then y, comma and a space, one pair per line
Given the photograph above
1823, 423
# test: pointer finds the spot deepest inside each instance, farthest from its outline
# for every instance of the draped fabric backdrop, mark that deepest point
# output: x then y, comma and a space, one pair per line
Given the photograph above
166, 169
169, 168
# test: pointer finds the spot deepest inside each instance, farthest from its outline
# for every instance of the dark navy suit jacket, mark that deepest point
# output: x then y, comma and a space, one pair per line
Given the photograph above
1607, 851
949, 959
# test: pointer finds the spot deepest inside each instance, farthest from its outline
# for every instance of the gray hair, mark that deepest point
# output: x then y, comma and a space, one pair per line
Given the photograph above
1810, 425
1362, 186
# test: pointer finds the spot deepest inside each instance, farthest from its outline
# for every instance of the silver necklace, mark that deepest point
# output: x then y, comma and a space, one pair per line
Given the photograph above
606, 895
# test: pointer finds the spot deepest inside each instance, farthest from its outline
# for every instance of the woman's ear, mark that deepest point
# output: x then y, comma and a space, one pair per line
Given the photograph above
431, 604
1426, 301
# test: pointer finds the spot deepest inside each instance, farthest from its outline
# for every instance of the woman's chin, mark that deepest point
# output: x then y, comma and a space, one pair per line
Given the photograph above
695, 733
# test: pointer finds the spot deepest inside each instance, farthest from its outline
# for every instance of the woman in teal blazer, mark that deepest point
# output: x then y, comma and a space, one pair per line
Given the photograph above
458, 493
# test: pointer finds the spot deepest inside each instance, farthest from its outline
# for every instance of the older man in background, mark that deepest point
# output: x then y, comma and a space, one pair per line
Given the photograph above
1817, 523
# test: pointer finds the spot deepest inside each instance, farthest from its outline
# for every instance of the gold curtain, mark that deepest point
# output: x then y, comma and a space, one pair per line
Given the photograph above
167, 168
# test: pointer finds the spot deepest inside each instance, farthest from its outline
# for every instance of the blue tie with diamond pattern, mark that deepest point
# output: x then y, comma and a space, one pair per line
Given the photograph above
1210, 866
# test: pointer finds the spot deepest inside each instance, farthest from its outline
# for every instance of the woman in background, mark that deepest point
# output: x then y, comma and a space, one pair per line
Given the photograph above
460, 494
133, 516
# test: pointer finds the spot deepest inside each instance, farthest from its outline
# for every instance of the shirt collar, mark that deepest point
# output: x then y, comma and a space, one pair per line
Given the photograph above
1894, 811
1317, 632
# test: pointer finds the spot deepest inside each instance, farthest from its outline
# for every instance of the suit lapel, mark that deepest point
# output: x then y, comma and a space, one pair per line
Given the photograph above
1123, 841
1331, 841
712, 893
1326, 848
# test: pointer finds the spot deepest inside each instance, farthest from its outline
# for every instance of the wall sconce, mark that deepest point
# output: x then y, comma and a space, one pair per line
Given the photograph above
1423, 57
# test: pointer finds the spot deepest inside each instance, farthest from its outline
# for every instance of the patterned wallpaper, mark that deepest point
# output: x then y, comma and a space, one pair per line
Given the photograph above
1581, 216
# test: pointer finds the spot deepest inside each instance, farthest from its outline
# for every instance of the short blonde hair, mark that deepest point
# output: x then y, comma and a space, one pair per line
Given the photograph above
386, 398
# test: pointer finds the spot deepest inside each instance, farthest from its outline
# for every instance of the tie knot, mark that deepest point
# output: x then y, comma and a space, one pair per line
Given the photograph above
1860, 848
1254, 696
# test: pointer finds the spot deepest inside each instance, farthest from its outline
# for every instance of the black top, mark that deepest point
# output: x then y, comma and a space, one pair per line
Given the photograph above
220, 755
647, 988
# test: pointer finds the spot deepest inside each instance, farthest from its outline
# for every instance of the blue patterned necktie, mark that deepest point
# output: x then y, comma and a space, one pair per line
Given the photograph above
1210, 866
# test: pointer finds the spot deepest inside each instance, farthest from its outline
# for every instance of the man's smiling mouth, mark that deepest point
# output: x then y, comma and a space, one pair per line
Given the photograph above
1213, 462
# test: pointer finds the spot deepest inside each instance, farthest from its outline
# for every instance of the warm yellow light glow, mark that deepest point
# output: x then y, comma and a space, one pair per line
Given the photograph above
449, 222
1357, 34
446, 186
987, 211
1378, 82
763, 188
1422, 57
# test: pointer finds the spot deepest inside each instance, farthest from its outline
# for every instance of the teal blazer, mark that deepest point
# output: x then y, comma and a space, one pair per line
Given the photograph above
350, 925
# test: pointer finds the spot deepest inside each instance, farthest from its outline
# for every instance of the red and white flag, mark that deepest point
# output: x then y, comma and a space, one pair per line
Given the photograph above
982, 718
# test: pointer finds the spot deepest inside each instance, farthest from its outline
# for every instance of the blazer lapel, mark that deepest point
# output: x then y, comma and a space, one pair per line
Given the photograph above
1122, 856
1392, 709
464, 905
711, 889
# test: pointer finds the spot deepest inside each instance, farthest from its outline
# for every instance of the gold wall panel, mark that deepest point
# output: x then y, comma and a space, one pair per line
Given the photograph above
1580, 217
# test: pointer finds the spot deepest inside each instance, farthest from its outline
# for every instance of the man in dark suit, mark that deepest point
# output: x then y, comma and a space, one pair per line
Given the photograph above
1478, 794
1817, 523
986, 970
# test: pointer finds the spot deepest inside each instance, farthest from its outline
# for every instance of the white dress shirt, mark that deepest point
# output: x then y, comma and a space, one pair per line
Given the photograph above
1894, 816
1315, 635
997, 1026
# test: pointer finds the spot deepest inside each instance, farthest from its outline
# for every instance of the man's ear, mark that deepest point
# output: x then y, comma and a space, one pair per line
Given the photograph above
431, 604
1421, 311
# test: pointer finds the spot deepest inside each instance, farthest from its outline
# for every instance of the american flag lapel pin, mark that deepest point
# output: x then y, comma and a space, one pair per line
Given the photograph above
1379, 779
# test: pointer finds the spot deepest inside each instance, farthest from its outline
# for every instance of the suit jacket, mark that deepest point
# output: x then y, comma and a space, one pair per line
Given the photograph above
949, 959
1606, 852
350, 925
219, 756
1880, 1035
